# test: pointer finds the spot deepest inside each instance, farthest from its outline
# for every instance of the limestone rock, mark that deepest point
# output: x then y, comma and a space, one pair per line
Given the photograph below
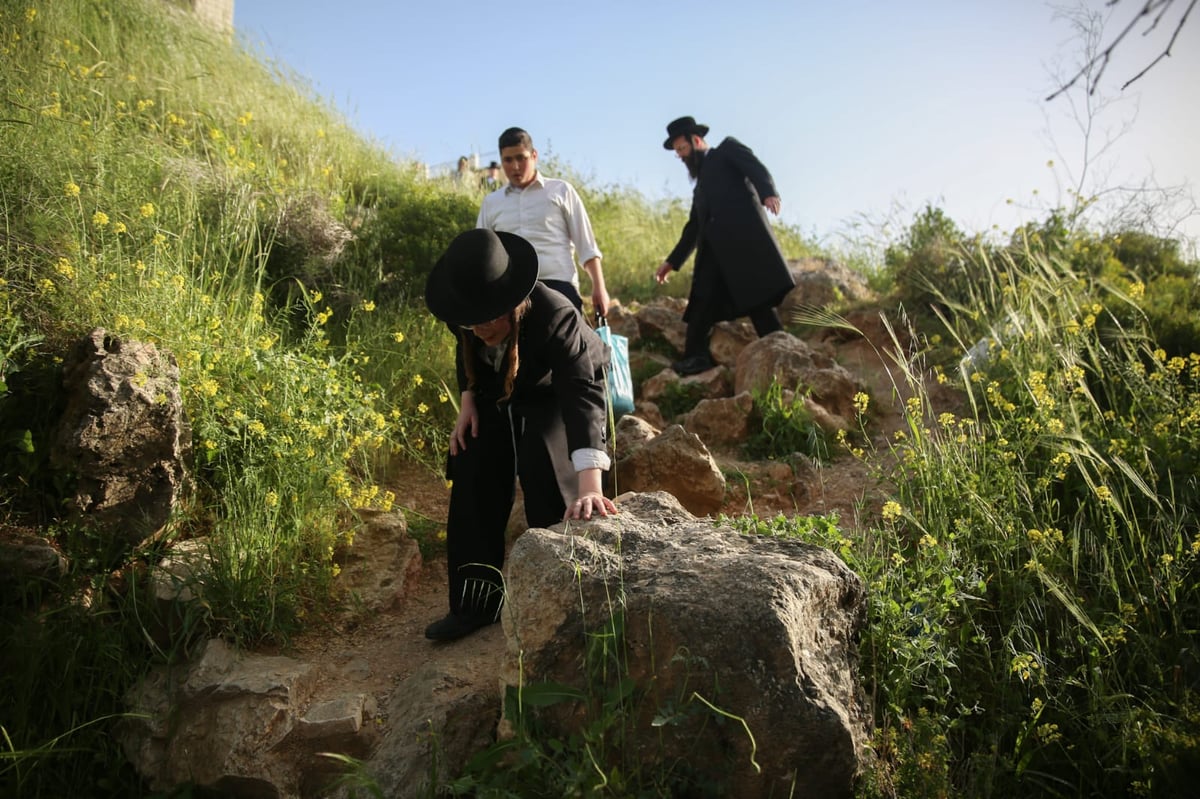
123, 435
821, 283
783, 358
382, 559
27, 560
677, 462
662, 320
233, 723
728, 339
763, 629
721, 422
709, 383
434, 718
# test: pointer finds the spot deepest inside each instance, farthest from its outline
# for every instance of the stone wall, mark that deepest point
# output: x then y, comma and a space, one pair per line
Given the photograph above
217, 14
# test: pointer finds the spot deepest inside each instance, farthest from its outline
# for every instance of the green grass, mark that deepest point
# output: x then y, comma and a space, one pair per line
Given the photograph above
1033, 582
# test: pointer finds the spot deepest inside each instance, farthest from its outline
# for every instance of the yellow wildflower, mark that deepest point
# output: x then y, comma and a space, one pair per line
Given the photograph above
71, 189
147, 210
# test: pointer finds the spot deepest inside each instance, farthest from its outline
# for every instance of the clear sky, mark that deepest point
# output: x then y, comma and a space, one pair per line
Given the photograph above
863, 110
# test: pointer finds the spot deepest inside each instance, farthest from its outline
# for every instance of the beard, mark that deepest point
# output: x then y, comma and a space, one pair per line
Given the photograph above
693, 161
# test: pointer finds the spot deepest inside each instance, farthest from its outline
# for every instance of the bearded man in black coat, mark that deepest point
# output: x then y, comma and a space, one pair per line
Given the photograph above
740, 269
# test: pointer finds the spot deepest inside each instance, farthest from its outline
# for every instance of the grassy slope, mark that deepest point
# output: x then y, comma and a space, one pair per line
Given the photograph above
1034, 587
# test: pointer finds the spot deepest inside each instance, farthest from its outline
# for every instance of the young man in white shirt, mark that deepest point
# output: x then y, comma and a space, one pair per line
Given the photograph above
548, 213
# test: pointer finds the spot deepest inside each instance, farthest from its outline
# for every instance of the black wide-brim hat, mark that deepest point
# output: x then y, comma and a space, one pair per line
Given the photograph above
483, 275
684, 126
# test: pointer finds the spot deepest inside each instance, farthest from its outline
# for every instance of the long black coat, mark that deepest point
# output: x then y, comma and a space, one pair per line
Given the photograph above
559, 387
739, 265
556, 407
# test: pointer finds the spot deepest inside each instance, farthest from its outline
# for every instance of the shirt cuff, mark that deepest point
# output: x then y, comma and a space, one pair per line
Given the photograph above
590, 459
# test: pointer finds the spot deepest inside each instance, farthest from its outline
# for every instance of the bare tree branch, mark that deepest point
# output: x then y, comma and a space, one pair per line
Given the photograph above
1094, 68
1166, 52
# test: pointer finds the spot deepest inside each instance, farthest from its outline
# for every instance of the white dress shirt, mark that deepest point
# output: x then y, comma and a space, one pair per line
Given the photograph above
549, 215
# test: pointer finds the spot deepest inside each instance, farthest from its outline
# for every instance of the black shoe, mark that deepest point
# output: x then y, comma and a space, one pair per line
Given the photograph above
693, 365
458, 625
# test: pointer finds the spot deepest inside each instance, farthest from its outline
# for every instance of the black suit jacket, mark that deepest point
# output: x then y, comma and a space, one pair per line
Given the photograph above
560, 372
739, 265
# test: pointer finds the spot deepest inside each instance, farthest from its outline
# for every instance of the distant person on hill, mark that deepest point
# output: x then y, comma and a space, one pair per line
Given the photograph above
491, 178
740, 269
532, 405
548, 213
462, 174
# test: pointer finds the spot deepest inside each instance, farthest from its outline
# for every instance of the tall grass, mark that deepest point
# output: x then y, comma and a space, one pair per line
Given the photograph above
1034, 600
169, 187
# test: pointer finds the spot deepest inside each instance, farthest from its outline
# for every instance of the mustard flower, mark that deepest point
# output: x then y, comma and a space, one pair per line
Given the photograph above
861, 402
71, 189
398, 337
64, 268
892, 510
422, 408
271, 499
147, 210
418, 380
368, 306
119, 227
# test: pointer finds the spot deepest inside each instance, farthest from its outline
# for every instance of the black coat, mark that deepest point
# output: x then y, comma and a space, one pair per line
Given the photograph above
559, 388
739, 265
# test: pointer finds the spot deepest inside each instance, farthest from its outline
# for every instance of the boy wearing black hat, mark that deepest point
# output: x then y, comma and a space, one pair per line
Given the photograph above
532, 406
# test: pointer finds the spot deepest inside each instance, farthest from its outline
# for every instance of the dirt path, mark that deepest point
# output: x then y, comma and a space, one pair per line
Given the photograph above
373, 653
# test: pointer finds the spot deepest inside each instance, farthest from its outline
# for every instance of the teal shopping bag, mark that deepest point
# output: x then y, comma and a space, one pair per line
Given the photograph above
618, 382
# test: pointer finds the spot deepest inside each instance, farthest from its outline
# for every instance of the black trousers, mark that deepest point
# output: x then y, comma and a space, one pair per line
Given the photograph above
701, 321
568, 290
531, 446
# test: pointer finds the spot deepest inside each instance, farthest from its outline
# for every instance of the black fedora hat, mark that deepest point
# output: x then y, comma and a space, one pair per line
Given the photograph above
483, 275
684, 126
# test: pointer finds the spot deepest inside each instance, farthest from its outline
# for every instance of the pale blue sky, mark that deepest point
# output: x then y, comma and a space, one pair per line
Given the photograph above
860, 108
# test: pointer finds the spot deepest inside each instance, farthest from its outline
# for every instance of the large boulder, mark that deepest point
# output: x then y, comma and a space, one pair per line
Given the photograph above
677, 462
437, 721
822, 283
122, 435
741, 651
784, 359
242, 725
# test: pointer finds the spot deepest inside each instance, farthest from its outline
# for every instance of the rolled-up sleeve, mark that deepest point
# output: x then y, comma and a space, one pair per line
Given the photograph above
580, 226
